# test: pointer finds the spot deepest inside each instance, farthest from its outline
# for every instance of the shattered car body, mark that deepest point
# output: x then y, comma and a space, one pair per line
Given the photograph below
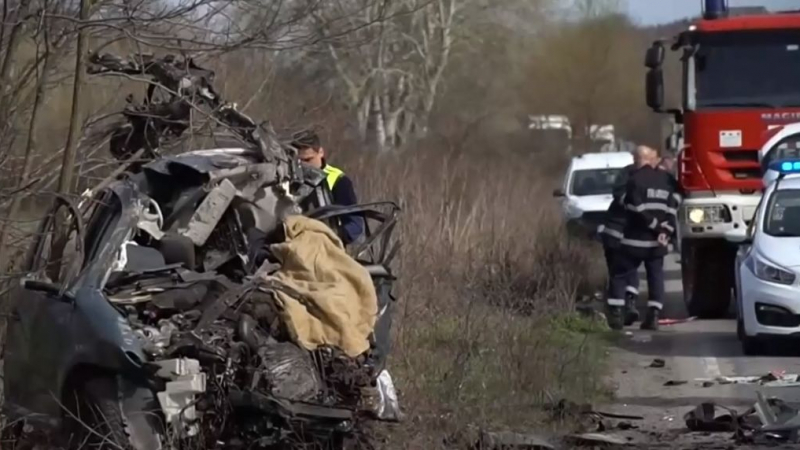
165, 322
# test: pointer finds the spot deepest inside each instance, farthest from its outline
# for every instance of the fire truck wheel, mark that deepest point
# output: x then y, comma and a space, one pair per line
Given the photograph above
708, 280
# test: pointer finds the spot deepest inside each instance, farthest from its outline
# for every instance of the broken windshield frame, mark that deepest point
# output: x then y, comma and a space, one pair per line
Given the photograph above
765, 65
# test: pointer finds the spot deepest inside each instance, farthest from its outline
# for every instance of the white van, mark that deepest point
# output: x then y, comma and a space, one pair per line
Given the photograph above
587, 190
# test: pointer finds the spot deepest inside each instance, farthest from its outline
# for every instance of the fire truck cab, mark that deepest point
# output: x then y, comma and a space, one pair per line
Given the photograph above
738, 83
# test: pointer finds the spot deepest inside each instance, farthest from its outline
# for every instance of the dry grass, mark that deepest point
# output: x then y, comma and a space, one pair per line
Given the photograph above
486, 332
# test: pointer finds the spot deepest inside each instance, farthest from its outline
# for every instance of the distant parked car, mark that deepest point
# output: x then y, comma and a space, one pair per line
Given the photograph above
587, 190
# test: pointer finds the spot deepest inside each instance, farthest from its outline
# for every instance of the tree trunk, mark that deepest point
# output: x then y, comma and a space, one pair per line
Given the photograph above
380, 126
12, 48
65, 181
27, 159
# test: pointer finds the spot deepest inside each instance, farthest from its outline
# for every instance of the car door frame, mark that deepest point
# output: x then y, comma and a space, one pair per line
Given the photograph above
30, 300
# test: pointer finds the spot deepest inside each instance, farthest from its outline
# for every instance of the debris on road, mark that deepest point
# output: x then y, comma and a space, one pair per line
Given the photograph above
618, 416
768, 420
668, 322
778, 420
705, 418
626, 426
566, 409
675, 383
772, 379
658, 363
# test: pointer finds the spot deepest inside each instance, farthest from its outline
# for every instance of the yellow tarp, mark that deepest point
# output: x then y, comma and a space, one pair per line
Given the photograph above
334, 302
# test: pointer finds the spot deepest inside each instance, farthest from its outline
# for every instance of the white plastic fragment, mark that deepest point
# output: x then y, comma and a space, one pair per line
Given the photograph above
151, 221
389, 406
177, 399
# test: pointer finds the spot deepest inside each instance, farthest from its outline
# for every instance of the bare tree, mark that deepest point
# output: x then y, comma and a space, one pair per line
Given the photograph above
392, 63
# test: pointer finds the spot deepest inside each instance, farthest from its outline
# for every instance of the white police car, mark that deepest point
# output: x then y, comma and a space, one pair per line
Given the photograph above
768, 262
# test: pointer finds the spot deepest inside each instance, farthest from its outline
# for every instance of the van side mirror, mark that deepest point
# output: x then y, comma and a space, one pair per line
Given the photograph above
654, 89
654, 57
559, 193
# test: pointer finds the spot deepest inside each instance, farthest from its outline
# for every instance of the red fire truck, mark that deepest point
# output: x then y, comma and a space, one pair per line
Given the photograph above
740, 81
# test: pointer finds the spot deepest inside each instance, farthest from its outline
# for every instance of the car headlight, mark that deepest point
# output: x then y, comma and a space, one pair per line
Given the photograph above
772, 273
707, 214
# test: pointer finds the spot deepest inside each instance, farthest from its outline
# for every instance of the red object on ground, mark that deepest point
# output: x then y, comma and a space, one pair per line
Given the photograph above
675, 321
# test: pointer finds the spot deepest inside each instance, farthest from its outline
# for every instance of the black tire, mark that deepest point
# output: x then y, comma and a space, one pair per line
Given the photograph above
708, 278
101, 418
753, 346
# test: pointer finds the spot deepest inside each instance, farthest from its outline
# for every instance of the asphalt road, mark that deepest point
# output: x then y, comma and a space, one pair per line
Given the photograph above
691, 351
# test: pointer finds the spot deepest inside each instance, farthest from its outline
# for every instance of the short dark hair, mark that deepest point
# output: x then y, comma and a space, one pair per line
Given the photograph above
306, 139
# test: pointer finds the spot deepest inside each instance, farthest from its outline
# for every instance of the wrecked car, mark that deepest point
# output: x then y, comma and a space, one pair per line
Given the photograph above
203, 300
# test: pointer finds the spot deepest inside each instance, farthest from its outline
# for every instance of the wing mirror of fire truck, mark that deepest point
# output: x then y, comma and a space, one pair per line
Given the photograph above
654, 89
654, 57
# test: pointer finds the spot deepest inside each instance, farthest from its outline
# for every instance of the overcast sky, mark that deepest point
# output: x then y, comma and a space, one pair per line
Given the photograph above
658, 11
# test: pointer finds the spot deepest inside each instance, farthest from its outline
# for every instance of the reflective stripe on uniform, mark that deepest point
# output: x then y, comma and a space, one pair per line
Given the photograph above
677, 197
668, 227
640, 244
652, 207
613, 233
333, 175
632, 290
616, 302
655, 304
654, 224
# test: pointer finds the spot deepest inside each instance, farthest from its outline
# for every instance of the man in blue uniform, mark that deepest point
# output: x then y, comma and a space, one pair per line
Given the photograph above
311, 152
651, 204
610, 232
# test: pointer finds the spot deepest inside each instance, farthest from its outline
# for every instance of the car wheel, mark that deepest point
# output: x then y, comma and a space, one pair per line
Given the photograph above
740, 334
109, 413
752, 346
708, 279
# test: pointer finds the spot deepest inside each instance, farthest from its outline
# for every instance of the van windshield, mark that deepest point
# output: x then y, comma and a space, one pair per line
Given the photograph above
782, 218
594, 181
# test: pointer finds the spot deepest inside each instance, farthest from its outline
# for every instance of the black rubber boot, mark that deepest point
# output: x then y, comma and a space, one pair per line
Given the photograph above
631, 313
615, 317
651, 321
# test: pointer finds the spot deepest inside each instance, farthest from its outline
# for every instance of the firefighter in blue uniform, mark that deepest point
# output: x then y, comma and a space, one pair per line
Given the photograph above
610, 233
651, 204
311, 152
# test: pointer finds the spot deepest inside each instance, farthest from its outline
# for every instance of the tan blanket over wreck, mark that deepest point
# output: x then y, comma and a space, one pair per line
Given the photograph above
334, 302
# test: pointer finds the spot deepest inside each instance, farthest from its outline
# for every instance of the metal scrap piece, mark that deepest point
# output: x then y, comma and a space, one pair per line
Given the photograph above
219, 306
253, 176
777, 417
704, 418
209, 213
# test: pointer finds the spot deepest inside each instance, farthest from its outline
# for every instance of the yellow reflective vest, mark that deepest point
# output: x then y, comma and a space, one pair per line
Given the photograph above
333, 175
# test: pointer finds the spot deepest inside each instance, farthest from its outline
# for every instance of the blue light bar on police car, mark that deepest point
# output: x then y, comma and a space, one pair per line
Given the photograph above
785, 166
